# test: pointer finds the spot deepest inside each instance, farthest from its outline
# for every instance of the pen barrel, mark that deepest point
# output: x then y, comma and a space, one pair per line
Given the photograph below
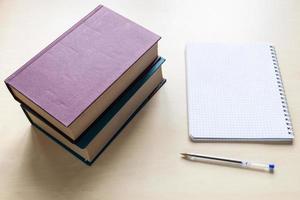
252, 165
227, 161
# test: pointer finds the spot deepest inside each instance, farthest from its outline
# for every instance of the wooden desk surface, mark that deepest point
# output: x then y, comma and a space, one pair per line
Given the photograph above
144, 162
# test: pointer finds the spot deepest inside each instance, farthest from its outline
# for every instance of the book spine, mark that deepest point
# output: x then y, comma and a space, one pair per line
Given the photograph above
283, 98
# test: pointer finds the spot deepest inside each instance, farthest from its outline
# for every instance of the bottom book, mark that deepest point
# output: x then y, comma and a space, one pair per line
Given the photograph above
102, 132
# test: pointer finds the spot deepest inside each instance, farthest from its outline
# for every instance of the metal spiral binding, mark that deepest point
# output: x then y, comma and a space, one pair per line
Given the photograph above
281, 91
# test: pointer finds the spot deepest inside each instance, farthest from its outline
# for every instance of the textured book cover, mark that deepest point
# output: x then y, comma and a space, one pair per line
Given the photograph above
66, 77
95, 129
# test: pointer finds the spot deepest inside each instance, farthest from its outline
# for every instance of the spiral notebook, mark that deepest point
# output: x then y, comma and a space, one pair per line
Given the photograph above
235, 93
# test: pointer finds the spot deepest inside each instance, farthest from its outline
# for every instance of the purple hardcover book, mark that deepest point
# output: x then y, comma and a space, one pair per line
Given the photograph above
74, 79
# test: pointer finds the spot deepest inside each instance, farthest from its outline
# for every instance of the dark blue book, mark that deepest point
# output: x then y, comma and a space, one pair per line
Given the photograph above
94, 140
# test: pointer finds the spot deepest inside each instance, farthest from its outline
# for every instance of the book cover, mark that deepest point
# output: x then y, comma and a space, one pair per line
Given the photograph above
66, 77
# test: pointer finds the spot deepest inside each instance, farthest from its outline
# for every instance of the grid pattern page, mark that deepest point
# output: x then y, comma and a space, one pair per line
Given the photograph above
232, 93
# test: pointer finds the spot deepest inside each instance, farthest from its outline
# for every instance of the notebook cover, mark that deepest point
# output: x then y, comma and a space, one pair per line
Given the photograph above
110, 141
87, 136
74, 70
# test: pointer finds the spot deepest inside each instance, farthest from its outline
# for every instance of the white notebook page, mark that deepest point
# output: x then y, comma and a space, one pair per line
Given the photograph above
232, 93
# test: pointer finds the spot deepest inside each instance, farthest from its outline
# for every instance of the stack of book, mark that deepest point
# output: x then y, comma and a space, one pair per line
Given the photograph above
84, 87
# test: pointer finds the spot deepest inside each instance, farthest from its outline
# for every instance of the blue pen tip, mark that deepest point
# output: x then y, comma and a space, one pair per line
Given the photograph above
271, 167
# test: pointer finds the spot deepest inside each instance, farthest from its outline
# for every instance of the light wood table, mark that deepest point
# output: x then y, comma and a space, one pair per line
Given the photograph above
144, 162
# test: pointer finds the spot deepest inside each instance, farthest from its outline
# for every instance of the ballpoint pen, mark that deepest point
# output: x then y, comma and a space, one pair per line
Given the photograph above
234, 162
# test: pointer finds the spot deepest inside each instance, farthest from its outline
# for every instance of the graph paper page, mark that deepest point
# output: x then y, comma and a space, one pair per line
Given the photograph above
233, 93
